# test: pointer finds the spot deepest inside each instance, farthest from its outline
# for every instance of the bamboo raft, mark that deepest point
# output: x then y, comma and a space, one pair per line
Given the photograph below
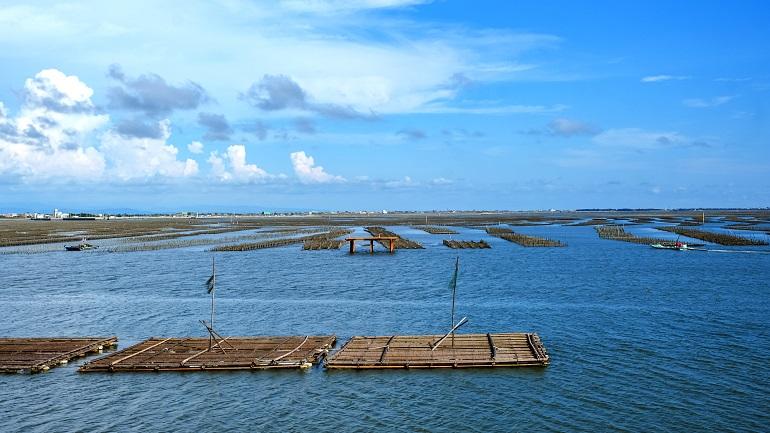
465, 244
462, 350
229, 353
33, 355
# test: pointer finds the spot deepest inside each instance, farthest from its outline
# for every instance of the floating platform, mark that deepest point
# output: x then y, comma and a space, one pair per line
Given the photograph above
33, 355
229, 353
415, 351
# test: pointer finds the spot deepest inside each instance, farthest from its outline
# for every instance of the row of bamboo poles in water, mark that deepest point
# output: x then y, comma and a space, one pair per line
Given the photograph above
435, 230
523, 240
401, 243
465, 244
283, 242
618, 233
717, 238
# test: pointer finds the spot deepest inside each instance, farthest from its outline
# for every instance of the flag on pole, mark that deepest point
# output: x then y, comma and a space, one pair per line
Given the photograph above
212, 278
453, 281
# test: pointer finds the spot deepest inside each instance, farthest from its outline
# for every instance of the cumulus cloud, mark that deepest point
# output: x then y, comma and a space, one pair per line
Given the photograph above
195, 147
57, 136
49, 138
308, 172
707, 103
53, 90
659, 78
139, 128
232, 166
152, 95
217, 126
279, 92
133, 158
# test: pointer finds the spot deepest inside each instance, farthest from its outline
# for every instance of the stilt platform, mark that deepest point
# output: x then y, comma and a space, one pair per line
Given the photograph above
33, 355
228, 353
464, 350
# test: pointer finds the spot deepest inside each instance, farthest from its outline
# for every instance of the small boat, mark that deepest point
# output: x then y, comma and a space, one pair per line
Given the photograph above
82, 246
678, 246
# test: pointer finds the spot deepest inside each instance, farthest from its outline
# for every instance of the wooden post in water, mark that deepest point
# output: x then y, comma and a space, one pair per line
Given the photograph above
213, 288
371, 246
352, 246
453, 284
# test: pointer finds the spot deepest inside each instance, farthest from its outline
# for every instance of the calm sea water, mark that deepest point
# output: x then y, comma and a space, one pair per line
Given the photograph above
640, 339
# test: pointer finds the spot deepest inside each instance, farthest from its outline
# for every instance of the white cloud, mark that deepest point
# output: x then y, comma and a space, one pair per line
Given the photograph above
570, 127
659, 78
232, 167
49, 138
308, 172
641, 139
401, 183
360, 58
344, 6
492, 109
441, 181
195, 147
51, 87
55, 136
141, 158
707, 103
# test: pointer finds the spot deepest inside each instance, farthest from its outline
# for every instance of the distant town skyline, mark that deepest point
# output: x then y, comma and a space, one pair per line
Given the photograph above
383, 104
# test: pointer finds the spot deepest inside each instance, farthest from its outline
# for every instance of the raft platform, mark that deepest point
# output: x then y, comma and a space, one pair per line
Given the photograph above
416, 351
33, 355
228, 353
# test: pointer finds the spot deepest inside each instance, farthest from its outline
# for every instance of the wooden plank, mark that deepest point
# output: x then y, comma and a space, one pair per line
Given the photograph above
113, 363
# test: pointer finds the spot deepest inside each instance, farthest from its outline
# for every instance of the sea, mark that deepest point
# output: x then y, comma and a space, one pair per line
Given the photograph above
640, 339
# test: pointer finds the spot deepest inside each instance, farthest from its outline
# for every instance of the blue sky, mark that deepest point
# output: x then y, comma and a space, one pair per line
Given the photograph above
383, 104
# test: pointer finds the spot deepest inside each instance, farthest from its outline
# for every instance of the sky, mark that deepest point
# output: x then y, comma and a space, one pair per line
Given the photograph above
236, 105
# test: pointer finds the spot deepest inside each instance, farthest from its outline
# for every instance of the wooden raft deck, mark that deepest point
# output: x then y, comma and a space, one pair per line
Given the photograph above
414, 351
33, 355
231, 353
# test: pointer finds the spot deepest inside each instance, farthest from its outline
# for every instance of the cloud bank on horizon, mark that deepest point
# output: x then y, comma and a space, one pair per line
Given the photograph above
391, 103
